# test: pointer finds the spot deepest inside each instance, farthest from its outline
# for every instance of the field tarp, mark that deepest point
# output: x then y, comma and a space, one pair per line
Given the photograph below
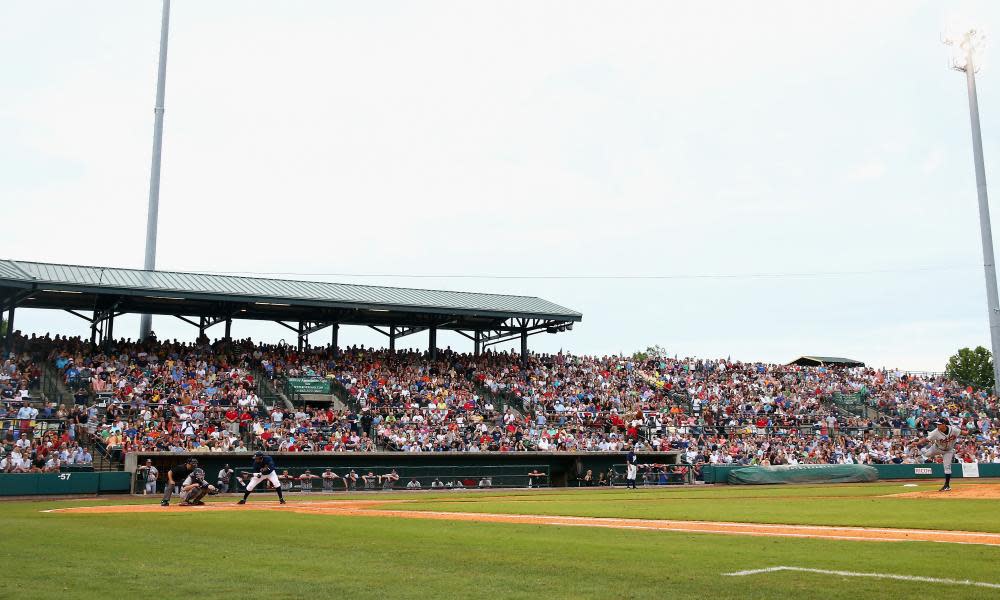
803, 474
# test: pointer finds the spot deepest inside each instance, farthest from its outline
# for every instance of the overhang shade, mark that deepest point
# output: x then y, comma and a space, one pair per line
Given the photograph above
87, 288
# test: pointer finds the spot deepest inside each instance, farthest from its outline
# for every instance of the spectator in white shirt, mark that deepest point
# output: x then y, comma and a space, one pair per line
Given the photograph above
27, 412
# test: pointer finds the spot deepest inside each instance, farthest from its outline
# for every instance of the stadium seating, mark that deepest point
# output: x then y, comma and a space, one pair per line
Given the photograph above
172, 396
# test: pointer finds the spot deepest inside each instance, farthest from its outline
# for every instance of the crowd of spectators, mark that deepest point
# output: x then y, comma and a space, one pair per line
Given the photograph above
202, 397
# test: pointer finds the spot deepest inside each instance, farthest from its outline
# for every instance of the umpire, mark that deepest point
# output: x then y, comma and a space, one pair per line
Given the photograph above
176, 476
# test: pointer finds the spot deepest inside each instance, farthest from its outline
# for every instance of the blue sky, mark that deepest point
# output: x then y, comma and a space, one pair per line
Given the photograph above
525, 139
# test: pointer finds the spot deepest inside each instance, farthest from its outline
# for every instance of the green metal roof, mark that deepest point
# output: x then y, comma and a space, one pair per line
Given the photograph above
200, 286
828, 360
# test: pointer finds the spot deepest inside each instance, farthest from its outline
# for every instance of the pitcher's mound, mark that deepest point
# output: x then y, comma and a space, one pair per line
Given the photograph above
981, 491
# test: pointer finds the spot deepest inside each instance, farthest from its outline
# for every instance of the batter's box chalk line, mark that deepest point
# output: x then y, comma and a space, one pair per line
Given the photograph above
982, 584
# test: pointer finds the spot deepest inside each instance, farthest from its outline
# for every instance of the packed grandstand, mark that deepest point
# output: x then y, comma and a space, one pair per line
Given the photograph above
122, 397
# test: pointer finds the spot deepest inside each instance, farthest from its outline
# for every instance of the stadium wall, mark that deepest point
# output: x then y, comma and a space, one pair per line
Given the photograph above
720, 474
41, 484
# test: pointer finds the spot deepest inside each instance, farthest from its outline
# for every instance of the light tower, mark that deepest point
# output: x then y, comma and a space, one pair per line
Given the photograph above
146, 321
967, 46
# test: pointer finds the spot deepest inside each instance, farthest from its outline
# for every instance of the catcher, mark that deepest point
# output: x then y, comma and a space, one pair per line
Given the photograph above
263, 468
195, 488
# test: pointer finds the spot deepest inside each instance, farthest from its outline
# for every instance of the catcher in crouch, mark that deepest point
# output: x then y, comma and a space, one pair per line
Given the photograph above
263, 468
195, 488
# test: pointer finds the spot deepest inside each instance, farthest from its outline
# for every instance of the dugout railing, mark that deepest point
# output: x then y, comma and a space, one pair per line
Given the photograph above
649, 475
381, 478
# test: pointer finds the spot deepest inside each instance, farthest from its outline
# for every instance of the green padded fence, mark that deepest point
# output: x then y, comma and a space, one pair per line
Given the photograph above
37, 484
720, 473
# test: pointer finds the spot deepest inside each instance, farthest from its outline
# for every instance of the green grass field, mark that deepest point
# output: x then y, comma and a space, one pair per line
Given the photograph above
185, 553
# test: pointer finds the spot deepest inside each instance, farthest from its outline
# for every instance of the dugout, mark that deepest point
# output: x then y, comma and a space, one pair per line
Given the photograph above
508, 469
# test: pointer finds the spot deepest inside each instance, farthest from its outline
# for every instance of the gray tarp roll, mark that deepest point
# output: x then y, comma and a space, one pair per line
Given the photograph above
804, 474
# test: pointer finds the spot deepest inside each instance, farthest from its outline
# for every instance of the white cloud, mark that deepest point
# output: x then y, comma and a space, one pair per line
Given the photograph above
869, 170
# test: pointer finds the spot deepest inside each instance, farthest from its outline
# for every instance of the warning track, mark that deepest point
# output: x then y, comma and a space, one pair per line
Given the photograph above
380, 508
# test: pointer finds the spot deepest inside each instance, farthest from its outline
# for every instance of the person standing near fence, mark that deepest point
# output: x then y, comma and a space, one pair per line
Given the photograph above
306, 481
535, 477
389, 480
225, 478
328, 476
631, 468
147, 477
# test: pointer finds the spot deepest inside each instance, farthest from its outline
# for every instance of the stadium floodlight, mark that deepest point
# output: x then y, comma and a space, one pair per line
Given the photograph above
968, 47
146, 321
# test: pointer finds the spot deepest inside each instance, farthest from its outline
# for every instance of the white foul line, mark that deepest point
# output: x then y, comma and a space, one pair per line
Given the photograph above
873, 575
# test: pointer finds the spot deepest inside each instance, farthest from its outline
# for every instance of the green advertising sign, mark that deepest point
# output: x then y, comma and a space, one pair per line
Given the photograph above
309, 385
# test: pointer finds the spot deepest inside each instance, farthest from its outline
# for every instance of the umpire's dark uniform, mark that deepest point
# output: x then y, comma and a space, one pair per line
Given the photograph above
178, 473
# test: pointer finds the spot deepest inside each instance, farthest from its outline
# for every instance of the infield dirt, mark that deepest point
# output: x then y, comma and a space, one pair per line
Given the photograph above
984, 491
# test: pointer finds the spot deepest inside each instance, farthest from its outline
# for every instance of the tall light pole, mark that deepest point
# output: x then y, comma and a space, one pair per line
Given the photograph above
146, 321
967, 44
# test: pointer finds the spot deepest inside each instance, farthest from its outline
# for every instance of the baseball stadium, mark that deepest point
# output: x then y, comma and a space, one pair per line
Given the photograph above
247, 423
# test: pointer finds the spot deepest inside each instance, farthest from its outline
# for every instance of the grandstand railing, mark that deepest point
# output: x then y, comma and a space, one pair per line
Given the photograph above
782, 430
502, 399
344, 395
52, 385
651, 475
13, 428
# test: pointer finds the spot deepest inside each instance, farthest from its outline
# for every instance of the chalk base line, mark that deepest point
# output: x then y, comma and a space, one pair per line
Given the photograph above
917, 578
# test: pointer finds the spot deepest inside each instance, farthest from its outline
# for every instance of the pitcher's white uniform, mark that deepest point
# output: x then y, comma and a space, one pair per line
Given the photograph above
943, 445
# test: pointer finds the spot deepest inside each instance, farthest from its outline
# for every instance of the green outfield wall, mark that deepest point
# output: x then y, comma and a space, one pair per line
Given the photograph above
38, 484
561, 469
720, 474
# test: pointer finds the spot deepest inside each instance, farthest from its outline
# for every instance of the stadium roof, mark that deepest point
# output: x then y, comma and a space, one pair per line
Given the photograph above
83, 288
816, 361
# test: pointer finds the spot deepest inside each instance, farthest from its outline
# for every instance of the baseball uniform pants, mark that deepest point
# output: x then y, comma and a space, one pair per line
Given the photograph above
259, 477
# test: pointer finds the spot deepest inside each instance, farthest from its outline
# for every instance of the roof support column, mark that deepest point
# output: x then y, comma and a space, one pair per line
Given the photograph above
93, 329
201, 328
302, 335
334, 338
433, 342
229, 329
477, 343
8, 340
110, 335
524, 346
392, 338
